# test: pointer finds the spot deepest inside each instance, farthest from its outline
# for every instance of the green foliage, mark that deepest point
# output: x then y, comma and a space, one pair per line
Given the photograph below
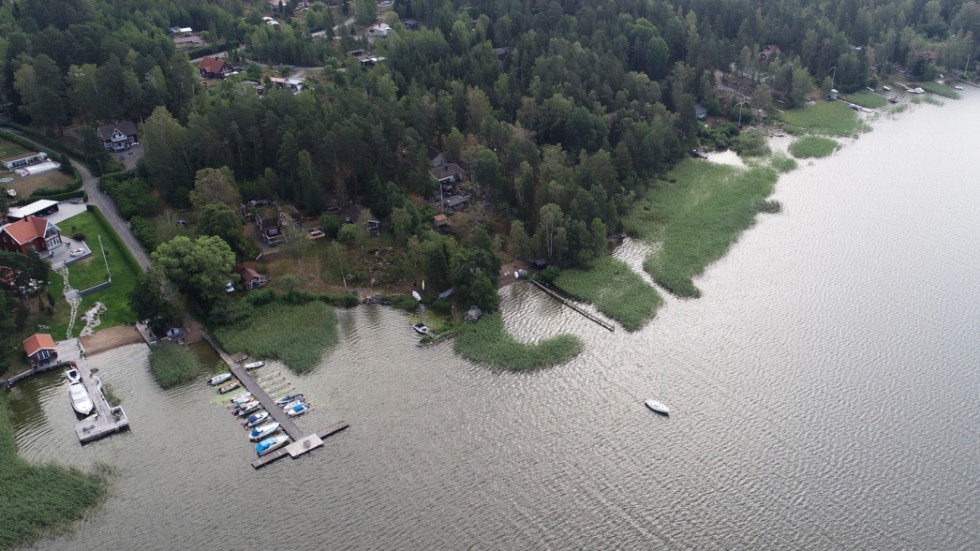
867, 99
39, 499
783, 164
812, 147
833, 118
615, 290
145, 232
486, 341
939, 89
696, 216
751, 144
133, 196
298, 335
198, 267
152, 299
173, 364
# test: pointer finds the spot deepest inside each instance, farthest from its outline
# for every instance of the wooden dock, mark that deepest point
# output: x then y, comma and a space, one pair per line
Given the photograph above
301, 443
575, 307
309, 443
107, 419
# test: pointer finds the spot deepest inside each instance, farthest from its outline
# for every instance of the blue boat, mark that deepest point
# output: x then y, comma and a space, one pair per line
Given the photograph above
261, 431
272, 443
297, 409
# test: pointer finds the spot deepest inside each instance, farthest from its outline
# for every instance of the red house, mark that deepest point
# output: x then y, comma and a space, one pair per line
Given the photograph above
31, 233
213, 67
40, 349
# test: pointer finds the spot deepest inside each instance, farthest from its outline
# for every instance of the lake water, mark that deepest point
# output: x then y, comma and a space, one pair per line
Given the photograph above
825, 392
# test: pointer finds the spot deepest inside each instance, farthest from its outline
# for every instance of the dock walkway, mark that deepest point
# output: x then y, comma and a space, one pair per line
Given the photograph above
107, 419
575, 307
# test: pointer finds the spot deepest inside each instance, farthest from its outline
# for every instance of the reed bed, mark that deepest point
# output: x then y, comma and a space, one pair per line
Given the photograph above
833, 118
867, 99
783, 164
297, 335
173, 364
39, 500
696, 215
615, 290
943, 90
813, 147
487, 342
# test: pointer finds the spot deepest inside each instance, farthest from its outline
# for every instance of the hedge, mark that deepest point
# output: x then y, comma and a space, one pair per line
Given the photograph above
52, 145
127, 254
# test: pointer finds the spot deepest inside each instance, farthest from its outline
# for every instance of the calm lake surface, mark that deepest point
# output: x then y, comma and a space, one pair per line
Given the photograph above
825, 389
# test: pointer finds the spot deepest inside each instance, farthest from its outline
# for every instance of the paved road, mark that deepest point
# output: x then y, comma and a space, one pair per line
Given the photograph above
108, 207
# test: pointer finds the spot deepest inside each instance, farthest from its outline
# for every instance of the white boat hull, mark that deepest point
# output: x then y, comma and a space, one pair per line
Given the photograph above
272, 444
80, 400
657, 407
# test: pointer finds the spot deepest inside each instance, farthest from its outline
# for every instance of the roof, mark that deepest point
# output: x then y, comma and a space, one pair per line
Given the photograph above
446, 171
37, 342
440, 219
457, 200
248, 274
212, 64
126, 127
26, 230
33, 208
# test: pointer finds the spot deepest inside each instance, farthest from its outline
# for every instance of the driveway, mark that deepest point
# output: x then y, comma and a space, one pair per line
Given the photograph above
108, 207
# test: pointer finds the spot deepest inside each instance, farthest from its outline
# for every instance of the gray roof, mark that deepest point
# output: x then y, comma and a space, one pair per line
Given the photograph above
126, 127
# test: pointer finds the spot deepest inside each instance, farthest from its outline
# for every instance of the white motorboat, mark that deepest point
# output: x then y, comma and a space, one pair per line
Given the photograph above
256, 418
80, 400
421, 329
295, 410
73, 375
886, 88
957, 87
254, 365
248, 407
416, 296
218, 379
228, 387
271, 443
289, 398
261, 431
242, 398
656, 406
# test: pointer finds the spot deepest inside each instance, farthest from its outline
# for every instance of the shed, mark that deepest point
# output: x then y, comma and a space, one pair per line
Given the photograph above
37, 208
40, 349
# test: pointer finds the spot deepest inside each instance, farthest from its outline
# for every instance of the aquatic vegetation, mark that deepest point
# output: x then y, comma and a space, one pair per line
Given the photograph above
39, 499
172, 364
751, 144
833, 118
813, 147
867, 99
783, 164
615, 290
696, 215
486, 341
298, 335
939, 89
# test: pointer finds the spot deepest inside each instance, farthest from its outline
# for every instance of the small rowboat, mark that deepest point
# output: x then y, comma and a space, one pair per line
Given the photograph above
228, 387
254, 365
657, 406
218, 379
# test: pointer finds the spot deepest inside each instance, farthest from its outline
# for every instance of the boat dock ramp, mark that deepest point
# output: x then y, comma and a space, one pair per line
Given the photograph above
575, 307
107, 419
302, 443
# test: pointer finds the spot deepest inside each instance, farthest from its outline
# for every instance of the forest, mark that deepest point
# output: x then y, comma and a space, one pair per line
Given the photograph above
560, 113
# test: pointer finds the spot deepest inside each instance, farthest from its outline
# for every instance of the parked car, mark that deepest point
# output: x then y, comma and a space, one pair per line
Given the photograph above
230, 286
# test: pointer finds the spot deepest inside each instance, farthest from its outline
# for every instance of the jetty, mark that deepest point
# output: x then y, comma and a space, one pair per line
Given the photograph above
576, 307
107, 419
302, 443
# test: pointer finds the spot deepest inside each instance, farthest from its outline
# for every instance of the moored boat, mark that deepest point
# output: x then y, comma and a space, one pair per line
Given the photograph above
248, 407
73, 375
218, 379
295, 410
80, 400
289, 398
261, 431
256, 418
228, 387
242, 398
254, 365
657, 406
271, 443
416, 296
421, 329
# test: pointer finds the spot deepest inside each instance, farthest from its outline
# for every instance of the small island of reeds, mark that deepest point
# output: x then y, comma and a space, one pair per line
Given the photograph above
813, 147
173, 364
615, 290
39, 499
486, 341
298, 335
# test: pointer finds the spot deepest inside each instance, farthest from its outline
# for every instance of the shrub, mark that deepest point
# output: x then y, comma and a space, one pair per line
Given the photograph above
172, 364
78, 236
145, 232
750, 144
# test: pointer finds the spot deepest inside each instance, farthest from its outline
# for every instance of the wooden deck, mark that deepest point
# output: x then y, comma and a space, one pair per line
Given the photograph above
315, 442
107, 419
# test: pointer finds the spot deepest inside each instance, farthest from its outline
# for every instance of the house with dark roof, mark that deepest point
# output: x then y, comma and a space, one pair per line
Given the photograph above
40, 349
769, 52
31, 233
448, 175
455, 203
252, 279
700, 111
269, 222
119, 135
213, 67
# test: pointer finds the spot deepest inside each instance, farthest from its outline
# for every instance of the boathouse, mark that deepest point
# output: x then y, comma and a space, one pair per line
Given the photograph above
40, 349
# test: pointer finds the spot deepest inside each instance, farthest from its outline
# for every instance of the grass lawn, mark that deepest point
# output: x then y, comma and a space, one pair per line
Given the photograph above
10, 149
615, 290
813, 147
26, 186
91, 271
39, 499
297, 335
487, 342
867, 99
696, 215
834, 118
